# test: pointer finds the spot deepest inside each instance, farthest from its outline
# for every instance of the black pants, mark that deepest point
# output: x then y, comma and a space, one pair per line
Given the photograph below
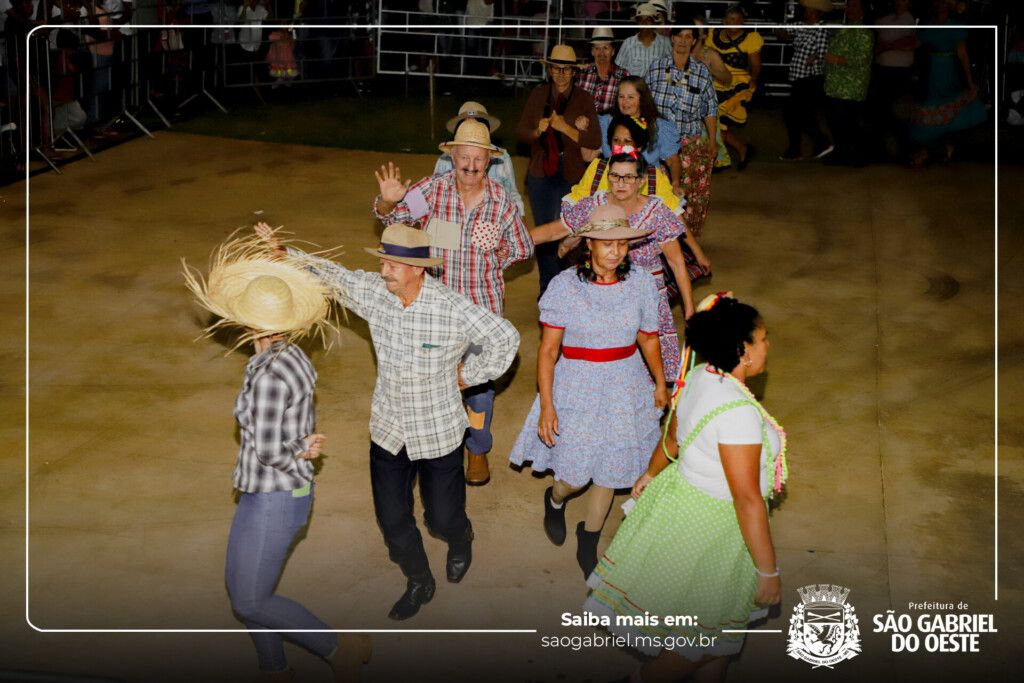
546, 194
443, 490
801, 114
889, 85
846, 119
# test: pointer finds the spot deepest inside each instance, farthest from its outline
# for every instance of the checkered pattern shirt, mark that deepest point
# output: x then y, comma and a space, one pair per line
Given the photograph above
416, 402
685, 96
809, 47
493, 236
275, 413
605, 91
635, 58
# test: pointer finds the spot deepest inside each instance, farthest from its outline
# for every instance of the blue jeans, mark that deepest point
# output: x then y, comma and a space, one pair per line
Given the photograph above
546, 201
480, 399
262, 533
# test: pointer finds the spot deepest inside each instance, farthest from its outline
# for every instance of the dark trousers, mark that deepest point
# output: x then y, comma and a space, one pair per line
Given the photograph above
889, 86
846, 119
443, 491
546, 194
801, 114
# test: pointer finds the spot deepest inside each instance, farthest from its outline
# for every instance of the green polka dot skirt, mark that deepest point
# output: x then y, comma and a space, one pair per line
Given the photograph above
678, 553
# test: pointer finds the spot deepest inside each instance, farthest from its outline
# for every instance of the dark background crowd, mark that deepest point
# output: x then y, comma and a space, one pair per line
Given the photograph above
90, 87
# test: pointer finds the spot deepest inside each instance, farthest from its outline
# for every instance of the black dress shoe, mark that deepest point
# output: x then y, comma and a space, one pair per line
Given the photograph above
417, 592
459, 560
554, 519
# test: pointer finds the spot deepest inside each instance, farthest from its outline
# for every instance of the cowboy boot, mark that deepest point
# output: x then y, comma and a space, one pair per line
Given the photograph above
477, 471
554, 519
460, 555
586, 549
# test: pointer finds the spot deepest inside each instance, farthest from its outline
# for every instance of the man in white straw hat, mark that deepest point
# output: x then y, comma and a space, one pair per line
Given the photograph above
275, 301
601, 79
476, 232
421, 331
500, 168
639, 51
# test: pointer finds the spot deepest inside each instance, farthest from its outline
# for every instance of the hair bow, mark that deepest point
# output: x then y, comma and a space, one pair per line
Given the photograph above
640, 121
708, 302
624, 149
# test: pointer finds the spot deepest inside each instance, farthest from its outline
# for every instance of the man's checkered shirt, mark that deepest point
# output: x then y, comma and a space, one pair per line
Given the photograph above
416, 402
809, 44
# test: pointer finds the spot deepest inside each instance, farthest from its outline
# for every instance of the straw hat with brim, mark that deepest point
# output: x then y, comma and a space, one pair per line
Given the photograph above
562, 55
473, 134
820, 5
609, 222
250, 287
659, 5
405, 245
475, 111
646, 9
602, 34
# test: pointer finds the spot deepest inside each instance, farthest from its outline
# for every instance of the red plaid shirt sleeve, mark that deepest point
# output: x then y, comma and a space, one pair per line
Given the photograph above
605, 92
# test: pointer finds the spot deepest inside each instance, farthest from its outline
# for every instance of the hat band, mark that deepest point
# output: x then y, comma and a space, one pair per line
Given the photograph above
601, 225
407, 252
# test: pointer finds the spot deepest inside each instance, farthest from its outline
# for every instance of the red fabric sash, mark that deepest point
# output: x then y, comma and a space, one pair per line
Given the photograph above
598, 355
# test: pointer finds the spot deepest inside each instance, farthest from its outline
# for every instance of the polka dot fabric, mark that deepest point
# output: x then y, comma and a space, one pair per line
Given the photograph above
679, 552
486, 235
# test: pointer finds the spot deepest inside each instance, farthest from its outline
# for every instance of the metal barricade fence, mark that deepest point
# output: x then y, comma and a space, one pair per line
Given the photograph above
311, 49
416, 43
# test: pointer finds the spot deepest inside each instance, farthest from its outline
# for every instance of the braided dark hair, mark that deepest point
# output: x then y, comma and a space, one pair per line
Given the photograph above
718, 335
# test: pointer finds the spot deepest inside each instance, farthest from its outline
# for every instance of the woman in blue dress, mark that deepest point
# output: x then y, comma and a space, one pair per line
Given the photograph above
595, 418
950, 104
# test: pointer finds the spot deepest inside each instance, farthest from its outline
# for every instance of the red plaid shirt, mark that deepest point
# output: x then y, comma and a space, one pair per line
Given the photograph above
605, 91
493, 236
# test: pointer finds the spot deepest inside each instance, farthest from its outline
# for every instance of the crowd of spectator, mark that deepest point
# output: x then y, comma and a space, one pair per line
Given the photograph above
885, 89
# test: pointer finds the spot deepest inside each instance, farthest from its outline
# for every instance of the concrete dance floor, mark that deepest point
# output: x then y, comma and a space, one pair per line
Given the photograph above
878, 289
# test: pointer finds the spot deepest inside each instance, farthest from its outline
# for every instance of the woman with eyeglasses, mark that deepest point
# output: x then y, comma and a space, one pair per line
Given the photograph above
684, 91
648, 214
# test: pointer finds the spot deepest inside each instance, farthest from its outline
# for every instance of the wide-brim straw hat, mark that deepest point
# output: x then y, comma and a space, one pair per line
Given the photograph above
405, 244
659, 5
646, 9
474, 134
609, 222
561, 55
820, 5
265, 292
475, 111
602, 34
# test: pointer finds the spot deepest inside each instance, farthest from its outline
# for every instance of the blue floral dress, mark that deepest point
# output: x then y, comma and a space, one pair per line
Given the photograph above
607, 420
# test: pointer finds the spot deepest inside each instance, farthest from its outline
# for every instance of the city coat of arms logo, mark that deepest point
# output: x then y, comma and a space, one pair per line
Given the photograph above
823, 629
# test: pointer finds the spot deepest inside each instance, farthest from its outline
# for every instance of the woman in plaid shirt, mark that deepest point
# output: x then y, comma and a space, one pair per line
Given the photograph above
276, 302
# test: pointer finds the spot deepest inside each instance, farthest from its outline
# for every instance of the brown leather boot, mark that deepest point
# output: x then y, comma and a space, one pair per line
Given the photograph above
477, 471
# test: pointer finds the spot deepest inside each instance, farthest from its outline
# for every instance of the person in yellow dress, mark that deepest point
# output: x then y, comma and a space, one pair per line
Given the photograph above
625, 134
740, 49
